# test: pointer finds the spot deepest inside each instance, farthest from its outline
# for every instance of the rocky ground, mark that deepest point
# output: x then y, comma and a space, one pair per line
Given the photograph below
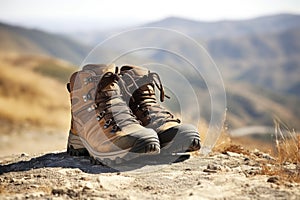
226, 175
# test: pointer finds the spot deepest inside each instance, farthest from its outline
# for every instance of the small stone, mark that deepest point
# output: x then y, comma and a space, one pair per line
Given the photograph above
246, 159
39, 176
83, 178
57, 191
34, 186
233, 154
273, 179
213, 167
24, 155
210, 171
88, 186
289, 185
148, 187
267, 156
72, 193
257, 153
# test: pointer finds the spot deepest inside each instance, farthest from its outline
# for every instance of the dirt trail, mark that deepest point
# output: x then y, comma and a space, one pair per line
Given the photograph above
218, 176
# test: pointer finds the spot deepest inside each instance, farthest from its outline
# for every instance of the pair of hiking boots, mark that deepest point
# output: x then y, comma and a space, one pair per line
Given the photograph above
116, 117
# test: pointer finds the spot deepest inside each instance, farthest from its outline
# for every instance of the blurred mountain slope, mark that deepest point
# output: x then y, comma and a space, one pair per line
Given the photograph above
32, 41
230, 28
31, 95
271, 60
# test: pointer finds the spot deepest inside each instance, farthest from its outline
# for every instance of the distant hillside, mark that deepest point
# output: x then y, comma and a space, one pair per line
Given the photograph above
33, 93
205, 30
227, 29
270, 60
32, 41
263, 51
249, 105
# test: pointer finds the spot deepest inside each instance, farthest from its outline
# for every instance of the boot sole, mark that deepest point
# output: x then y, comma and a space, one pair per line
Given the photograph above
183, 143
77, 146
178, 149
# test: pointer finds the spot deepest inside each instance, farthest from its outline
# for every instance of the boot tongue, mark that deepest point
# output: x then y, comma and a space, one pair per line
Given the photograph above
111, 90
136, 70
139, 75
100, 68
110, 86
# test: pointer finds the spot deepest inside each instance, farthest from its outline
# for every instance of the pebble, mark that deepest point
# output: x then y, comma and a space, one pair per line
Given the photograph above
213, 167
24, 155
233, 154
267, 156
57, 191
246, 159
88, 186
210, 171
273, 179
34, 186
148, 187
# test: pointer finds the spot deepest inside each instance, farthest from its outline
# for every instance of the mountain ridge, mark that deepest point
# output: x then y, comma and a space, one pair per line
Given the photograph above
34, 41
233, 28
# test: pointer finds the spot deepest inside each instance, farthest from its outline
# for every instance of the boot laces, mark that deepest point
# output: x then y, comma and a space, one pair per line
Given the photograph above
110, 104
138, 90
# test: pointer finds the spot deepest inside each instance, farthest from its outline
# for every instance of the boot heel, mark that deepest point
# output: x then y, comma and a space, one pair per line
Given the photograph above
75, 146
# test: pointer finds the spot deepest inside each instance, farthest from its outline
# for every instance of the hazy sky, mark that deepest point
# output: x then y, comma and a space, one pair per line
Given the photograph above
84, 14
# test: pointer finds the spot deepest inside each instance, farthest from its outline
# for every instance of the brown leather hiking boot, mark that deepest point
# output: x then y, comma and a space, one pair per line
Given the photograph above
102, 123
140, 91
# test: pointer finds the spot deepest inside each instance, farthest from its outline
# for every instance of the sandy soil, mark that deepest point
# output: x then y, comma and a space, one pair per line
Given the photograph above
224, 175
32, 142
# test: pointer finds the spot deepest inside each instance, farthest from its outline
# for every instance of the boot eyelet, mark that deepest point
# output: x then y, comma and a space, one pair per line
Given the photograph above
107, 124
115, 128
92, 107
100, 116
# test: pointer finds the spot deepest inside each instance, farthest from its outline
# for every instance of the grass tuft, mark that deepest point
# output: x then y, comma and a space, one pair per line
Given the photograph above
285, 163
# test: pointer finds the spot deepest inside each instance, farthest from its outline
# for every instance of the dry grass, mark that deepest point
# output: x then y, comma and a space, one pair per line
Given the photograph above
28, 98
286, 162
287, 143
